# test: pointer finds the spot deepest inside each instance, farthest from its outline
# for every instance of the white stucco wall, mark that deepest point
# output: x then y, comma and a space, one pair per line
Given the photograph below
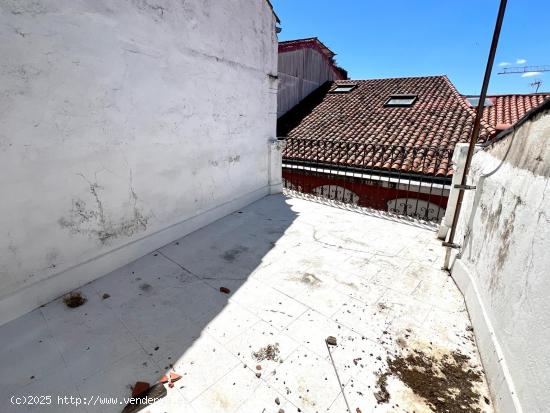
504, 268
124, 125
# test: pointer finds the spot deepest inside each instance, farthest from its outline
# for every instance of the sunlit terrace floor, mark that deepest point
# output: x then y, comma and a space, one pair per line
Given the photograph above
298, 271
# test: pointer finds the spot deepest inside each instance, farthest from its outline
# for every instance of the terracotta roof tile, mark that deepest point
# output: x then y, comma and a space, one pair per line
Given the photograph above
506, 110
357, 129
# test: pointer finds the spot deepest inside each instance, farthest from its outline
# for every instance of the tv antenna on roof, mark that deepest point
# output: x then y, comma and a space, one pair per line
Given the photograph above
524, 69
536, 84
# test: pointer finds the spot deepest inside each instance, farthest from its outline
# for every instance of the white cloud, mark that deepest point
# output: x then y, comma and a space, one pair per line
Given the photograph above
521, 61
504, 64
531, 74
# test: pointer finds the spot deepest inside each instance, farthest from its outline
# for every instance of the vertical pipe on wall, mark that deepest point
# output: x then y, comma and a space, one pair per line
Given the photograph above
449, 244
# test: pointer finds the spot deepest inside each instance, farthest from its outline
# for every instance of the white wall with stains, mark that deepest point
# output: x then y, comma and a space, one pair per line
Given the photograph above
123, 126
504, 268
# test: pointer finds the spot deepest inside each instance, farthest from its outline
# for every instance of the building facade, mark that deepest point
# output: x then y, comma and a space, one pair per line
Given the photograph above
383, 143
303, 66
387, 143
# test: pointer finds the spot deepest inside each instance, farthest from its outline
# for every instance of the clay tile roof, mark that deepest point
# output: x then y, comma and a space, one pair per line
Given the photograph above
357, 129
508, 109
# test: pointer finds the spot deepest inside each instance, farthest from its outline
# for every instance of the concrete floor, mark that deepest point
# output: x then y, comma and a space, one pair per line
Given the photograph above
298, 271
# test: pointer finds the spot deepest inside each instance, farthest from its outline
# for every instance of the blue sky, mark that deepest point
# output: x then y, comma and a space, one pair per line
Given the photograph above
374, 39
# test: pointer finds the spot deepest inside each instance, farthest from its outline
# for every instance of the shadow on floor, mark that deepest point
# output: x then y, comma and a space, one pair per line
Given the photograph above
139, 320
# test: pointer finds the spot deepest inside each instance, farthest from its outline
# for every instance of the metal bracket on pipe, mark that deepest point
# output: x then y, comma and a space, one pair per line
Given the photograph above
450, 245
465, 187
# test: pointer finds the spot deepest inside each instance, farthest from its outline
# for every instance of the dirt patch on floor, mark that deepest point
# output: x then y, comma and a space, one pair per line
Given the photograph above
269, 352
446, 384
309, 279
232, 254
382, 395
74, 299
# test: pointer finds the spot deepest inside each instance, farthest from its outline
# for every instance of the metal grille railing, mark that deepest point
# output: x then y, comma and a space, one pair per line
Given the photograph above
408, 181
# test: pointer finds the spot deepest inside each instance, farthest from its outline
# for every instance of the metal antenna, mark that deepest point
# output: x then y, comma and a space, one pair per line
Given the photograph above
523, 69
536, 83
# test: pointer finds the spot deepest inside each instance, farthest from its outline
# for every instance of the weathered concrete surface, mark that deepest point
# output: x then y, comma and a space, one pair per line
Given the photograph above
297, 272
503, 270
124, 125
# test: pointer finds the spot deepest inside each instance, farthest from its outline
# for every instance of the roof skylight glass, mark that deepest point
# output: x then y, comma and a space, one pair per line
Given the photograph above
474, 102
344, 88
401, 100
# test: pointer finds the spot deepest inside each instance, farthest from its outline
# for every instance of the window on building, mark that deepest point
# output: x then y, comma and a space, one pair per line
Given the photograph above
474, 102
401, 100
344, 88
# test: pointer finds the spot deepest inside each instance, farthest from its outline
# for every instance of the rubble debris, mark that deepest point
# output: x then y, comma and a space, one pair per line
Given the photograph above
269, 352
74, 299
145, 398
139, 387
382, 395
174, 376
225, 290
105, 296
331, 340
446, 384
310, 279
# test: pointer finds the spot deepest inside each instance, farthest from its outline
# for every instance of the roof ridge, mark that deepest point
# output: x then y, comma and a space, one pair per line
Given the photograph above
491, 131
510, 94
299, 40
397, 77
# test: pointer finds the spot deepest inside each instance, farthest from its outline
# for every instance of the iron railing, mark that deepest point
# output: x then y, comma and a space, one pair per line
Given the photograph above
408, 181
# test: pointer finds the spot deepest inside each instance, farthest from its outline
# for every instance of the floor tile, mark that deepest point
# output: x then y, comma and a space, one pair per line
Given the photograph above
311, 330
22, 338
89, 337
230, 322
229, 393
307, 380
269, 304
265, 399
200, 366
251, 346
116, 381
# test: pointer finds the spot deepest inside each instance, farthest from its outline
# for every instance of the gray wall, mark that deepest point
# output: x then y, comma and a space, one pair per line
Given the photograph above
300, 73
124, 125
504, 268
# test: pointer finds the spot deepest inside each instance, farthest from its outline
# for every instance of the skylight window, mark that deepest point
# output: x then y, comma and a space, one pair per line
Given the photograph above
401, 100
474, 102
344, 88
